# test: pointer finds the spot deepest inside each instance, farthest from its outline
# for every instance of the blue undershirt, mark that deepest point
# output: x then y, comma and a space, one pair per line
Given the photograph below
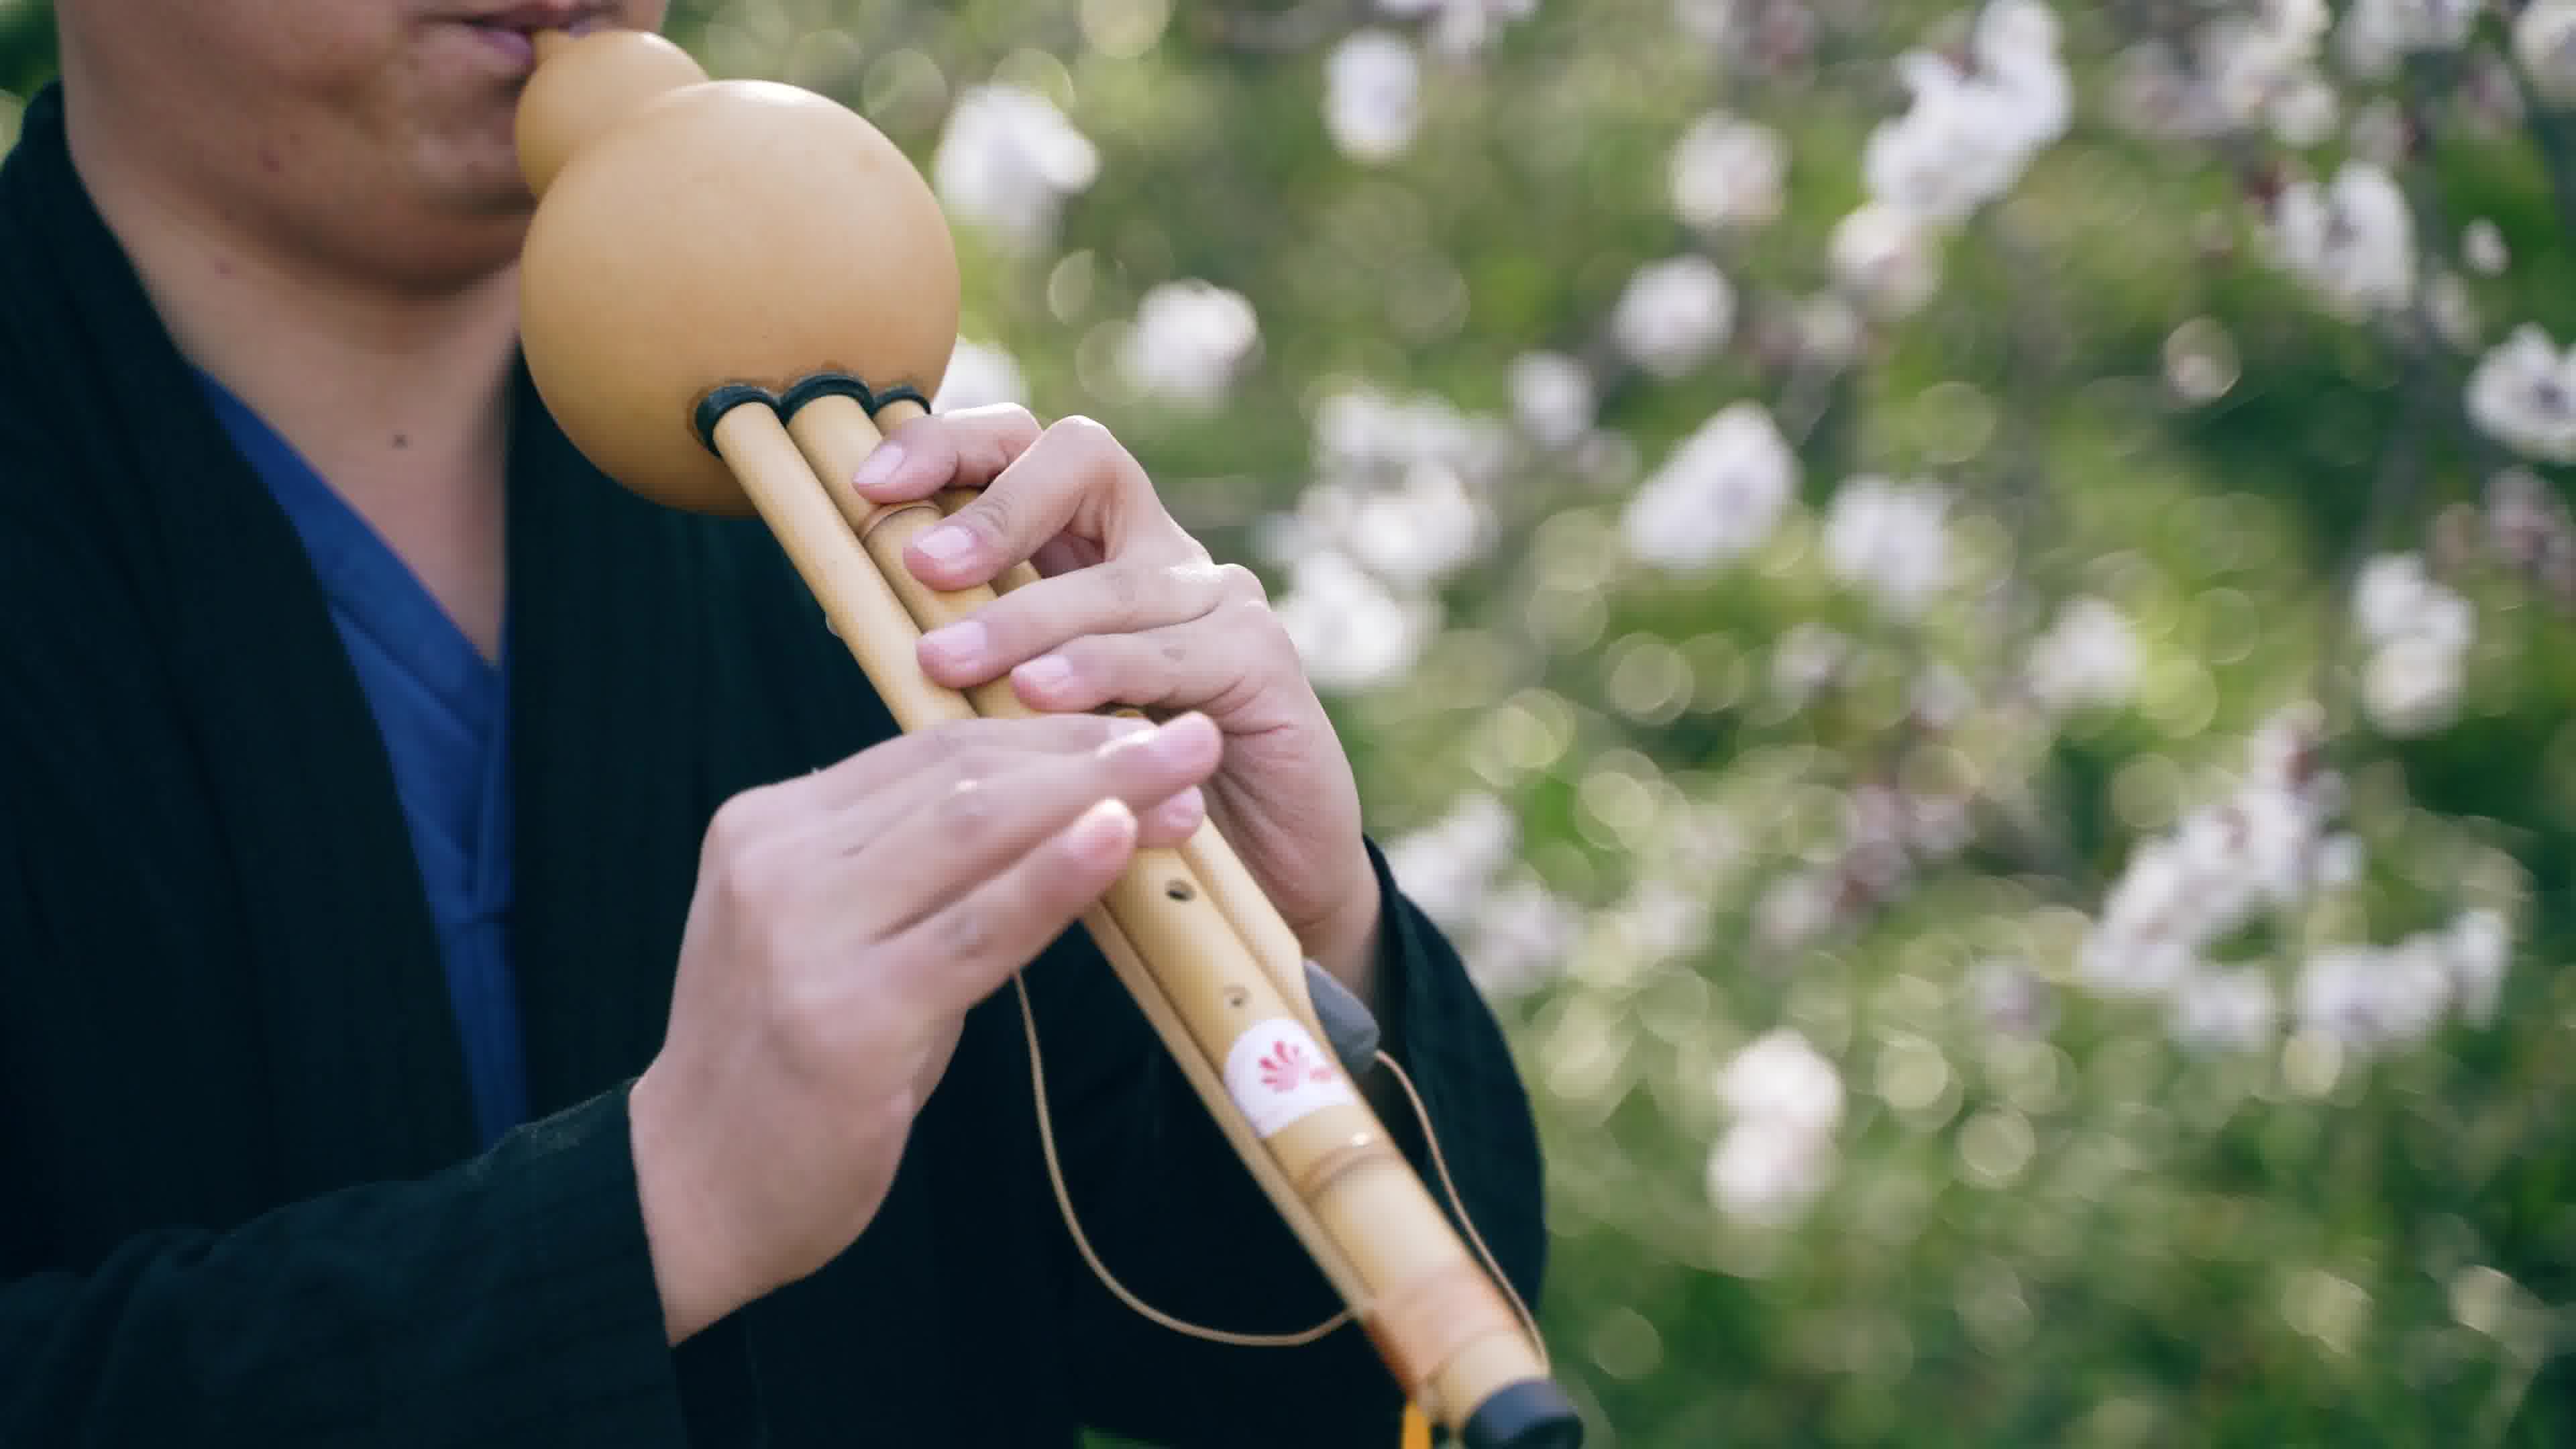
443, 710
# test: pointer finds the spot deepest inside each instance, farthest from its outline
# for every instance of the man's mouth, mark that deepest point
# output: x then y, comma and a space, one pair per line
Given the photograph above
512, 32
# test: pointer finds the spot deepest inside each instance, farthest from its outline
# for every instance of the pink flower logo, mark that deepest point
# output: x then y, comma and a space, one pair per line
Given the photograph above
1286, 1065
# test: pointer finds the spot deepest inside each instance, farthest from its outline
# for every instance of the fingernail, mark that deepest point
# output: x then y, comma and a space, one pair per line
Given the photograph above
945, 544
1104, 829
1172, 742
879, 466
1047, 673
958, 644
1182, 813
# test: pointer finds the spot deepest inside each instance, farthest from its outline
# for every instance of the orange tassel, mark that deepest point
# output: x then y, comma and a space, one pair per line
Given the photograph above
1417, 1429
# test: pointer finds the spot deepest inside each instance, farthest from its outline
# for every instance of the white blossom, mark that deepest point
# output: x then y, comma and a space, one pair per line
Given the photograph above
2261, 66
1728, 172
1461, 27
2478, 946
1890, 539
2482, 246
1829, 331
1885, 260
2008, 997
1402, 491
2255, 850
1351, 632
1718, 496
2302, 23
2523, 394
1711, 22
1666, 917
1189, 340
1520, 939
2185, 890
1808, 658
2452, 310
2544, 40
1373, 95
979, 376
2376, 34
2392, 598
2354, 241
2225, 1010
2088, 657
1968, 136
1365, 436
2153, 94
2411, 686
1795, 910
1780, 1077
2374, 997
1674, 313
2121, 965
2530, 527
1447, 866
1766, 1173
1553, 397
2378, 135
2156, 887
1940, 696
2421, 632
1417, 534
1007, 161
2305, 112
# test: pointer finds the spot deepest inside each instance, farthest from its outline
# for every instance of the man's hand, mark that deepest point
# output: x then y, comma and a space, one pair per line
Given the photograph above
1132, 611
843, 925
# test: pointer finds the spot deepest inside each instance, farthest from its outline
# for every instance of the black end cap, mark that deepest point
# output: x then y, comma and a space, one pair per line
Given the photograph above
712, 408
1531, 1414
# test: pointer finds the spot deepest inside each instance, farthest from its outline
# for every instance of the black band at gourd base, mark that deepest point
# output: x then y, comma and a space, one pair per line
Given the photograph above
900, 392
720, 401
712, 408
841, 384
825, 384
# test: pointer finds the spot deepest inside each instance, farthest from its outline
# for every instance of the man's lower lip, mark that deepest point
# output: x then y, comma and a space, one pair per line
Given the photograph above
512, 43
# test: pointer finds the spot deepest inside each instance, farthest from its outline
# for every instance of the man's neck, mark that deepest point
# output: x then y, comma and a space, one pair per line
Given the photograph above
398, 398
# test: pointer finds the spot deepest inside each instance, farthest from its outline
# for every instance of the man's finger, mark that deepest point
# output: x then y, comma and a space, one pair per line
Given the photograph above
1220, 663
964, 449
885, 766
917, 865
1076, 478
1124, 596
960, 953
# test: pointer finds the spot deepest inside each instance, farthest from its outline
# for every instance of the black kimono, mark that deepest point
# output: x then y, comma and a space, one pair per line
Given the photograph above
239, 1196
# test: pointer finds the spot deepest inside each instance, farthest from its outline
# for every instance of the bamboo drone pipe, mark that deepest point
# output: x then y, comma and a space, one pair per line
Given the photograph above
1336, 1178
693, 255
1438, 1317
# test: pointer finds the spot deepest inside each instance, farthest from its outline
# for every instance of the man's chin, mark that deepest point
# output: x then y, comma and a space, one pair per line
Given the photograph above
480, 177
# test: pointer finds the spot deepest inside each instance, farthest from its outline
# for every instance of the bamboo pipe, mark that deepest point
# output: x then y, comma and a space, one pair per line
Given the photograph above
1432, 1304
